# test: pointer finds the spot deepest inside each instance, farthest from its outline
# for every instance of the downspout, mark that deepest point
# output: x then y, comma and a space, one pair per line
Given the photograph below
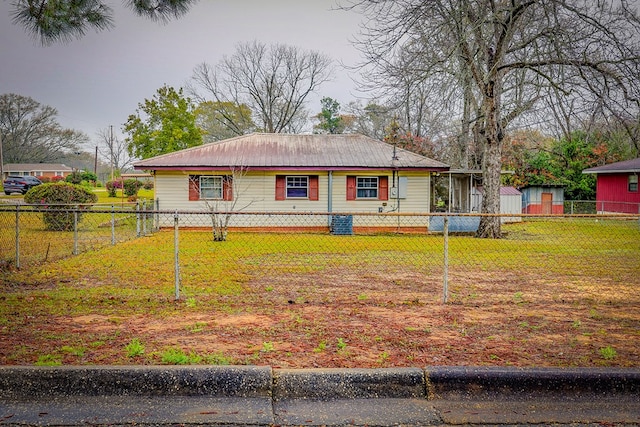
330, 196
450, 194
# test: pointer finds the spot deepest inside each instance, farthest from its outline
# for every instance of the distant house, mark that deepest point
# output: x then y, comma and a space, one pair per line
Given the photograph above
38, 170
617, 186
543, 199
264, 172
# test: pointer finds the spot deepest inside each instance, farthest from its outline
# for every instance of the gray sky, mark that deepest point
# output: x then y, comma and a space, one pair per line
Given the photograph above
99, 80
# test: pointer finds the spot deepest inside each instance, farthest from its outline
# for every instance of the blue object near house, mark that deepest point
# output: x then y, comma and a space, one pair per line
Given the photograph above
342, 224
457, 224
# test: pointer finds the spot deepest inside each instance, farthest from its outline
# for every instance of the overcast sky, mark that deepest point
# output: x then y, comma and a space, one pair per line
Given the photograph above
99, 80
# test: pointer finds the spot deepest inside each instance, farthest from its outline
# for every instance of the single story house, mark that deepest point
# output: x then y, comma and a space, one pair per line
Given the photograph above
267, 172
544, 199
39, 170
617, 186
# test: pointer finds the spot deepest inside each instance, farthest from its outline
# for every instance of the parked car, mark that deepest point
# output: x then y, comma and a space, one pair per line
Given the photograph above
20, 184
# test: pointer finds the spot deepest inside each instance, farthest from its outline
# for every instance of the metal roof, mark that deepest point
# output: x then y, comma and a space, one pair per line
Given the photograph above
509, 191
632, 165
292, 151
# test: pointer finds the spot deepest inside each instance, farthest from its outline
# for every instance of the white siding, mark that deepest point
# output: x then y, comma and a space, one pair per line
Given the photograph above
511, 204
255, 192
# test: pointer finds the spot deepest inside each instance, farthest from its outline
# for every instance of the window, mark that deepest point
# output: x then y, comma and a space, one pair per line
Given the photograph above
296, 187
210, 187
367, 187
633, 183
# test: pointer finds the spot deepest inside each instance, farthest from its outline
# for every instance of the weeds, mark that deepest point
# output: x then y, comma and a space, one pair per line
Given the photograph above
322, 345
177, 356
135, 348
608, 353
49, 360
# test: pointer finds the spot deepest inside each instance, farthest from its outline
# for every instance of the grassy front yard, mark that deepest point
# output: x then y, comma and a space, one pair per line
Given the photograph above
552, 293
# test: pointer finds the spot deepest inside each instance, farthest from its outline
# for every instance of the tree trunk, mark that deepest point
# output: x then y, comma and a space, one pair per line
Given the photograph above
492, 135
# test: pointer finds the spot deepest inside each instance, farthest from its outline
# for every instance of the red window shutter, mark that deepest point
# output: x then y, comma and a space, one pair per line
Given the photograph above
313, 187
281, 184
383, 188
194, 187
351, 188
227, 188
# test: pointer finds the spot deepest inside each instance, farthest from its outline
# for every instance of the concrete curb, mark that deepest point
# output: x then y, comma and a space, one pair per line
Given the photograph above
320, 384
220, 381
262, 396
490, 382
327, 384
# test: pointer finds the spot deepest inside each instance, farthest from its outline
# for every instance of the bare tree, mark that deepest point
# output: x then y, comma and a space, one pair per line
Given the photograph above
220, 121
273, 81
31, 132
114, 151
514, 51
222, 198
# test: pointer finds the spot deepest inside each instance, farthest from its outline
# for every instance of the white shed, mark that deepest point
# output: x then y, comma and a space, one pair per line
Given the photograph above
510, 202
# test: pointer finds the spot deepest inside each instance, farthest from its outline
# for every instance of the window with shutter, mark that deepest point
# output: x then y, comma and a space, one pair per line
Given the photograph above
210, 187
367, 187
297, 187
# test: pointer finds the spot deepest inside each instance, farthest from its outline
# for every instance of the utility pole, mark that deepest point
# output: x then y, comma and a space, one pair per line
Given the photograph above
1, 160
111, 149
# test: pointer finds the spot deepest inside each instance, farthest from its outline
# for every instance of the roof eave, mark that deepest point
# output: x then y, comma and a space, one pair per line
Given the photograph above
293, 168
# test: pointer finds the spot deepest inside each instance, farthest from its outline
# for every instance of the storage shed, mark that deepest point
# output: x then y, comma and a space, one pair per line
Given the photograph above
510, 202
543, 199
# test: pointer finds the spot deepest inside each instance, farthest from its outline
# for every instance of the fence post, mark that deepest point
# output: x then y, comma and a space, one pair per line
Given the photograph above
137, 219
156, 225
144, 217
445, 279
113, 225
176, 258
75, 230
17, 236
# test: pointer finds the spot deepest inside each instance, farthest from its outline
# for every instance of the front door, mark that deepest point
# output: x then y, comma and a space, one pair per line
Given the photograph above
547, 203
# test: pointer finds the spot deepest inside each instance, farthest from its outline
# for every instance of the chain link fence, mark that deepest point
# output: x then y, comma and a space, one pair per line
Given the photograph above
31, 235
199, 253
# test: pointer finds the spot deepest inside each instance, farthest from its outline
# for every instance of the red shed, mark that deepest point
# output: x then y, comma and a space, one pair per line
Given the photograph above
617, 186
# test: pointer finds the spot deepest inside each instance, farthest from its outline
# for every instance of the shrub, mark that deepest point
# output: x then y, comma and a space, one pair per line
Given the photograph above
148, 184
59, 193
113, 187
131, 187
77, 177
44, 179
57, 178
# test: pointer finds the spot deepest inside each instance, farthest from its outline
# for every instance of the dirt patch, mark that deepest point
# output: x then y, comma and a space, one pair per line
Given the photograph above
331, 321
